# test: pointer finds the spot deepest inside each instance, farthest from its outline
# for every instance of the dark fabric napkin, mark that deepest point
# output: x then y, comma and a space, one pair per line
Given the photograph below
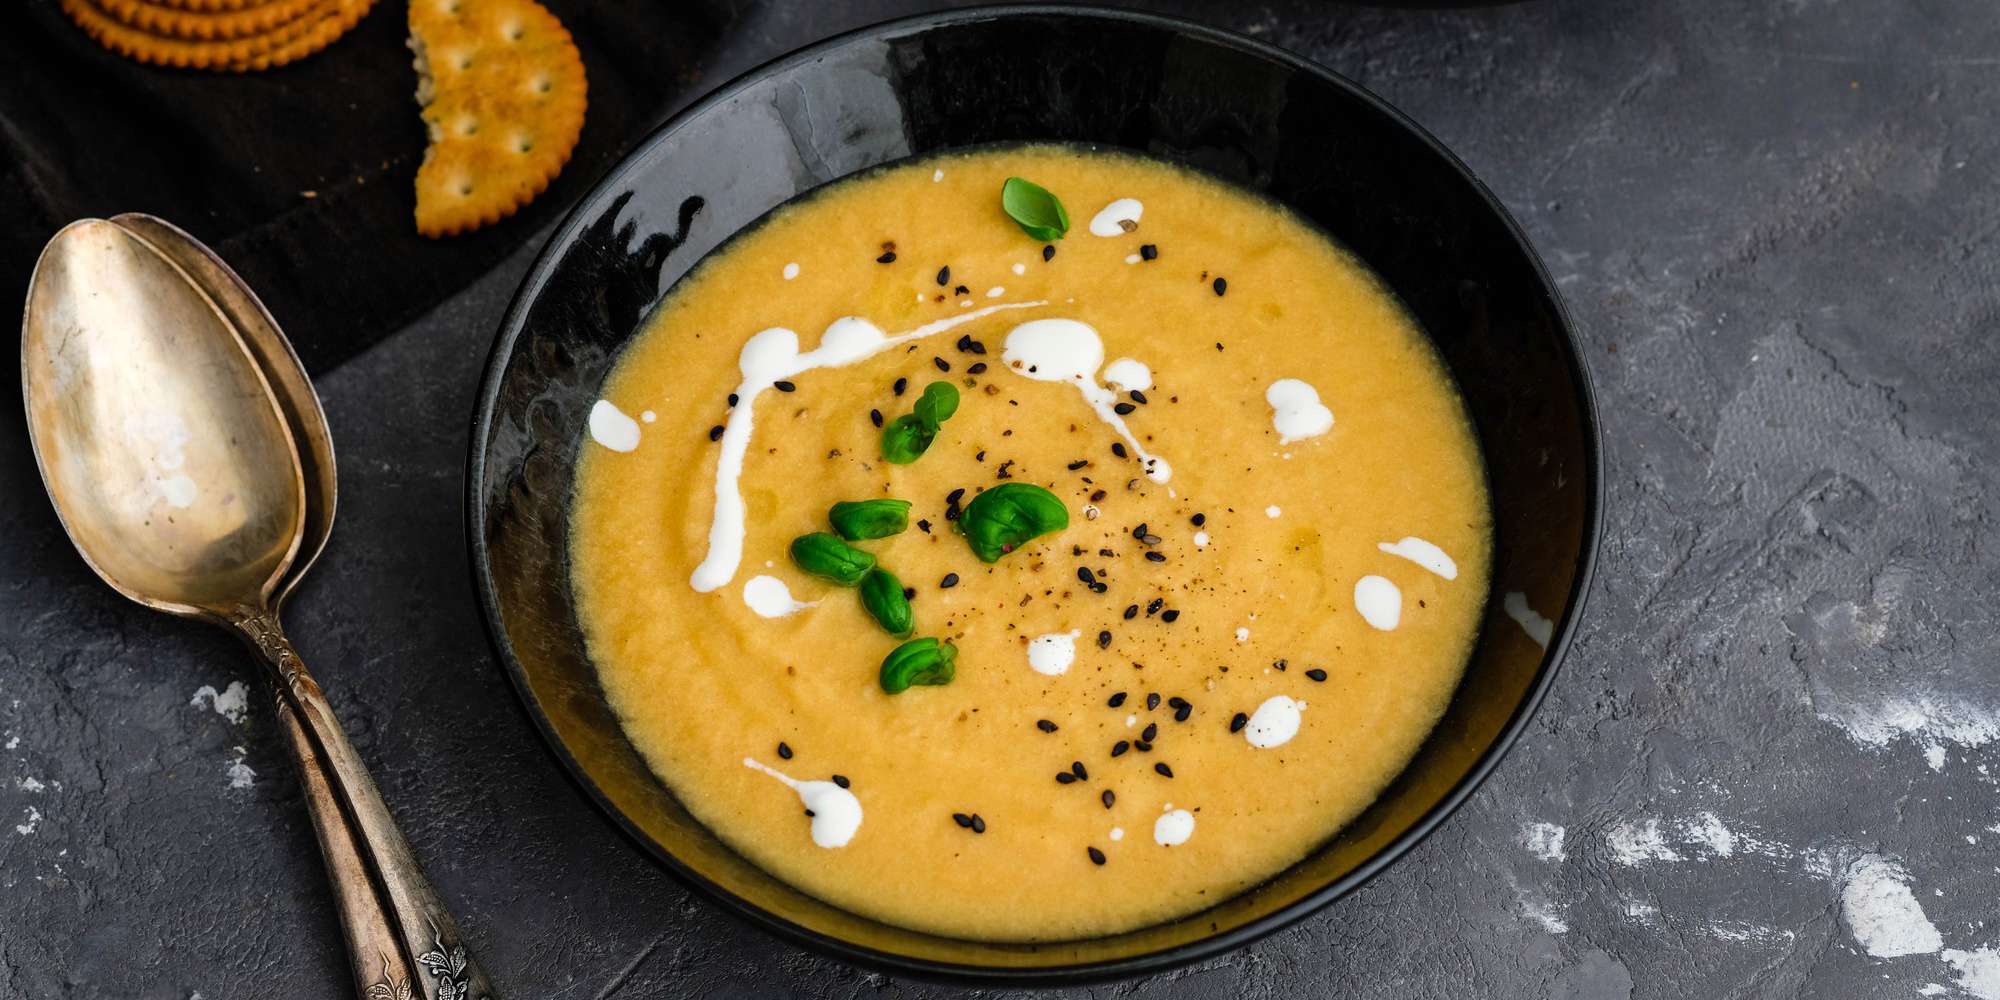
300, 177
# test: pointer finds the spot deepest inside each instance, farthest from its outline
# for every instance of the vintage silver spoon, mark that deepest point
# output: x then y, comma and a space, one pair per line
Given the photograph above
176, 435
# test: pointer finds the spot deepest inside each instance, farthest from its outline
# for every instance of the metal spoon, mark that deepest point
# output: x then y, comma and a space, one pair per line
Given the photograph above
176, 435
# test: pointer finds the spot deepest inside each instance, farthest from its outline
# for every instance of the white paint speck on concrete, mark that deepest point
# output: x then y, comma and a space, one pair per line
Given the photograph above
1881, 911
1544, 840
233, 703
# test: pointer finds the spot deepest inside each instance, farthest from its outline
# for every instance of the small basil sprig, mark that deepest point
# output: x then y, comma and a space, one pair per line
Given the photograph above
855, 520
908, 436
1039, 213
829, 558
919, 661
882, 597
1001, 519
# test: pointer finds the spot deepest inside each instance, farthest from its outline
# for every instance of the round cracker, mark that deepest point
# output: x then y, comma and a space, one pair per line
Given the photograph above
506, 95
322, 22
344, 16
155, 17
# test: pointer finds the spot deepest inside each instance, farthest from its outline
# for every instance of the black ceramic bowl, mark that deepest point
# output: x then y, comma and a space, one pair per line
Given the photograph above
1250, 113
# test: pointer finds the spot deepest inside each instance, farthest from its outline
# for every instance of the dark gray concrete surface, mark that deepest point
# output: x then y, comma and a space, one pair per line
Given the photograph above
1768, 755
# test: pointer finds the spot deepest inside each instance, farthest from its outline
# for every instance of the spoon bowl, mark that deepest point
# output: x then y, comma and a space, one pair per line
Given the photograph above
168, 461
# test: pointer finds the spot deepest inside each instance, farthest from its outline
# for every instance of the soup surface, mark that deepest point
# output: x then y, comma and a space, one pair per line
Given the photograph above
1273, 568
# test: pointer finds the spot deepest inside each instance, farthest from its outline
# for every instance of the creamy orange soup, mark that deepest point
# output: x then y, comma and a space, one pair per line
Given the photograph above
1273, 567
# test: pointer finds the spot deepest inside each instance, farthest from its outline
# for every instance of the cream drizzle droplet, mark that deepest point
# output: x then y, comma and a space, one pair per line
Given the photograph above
1296, 412
1051, 654
610, 427
1127, 374
1173, 828
1274, 723
1106, 222
836, 813
1423, 554
770, 598
1064, 350
1538, 628
1379, 601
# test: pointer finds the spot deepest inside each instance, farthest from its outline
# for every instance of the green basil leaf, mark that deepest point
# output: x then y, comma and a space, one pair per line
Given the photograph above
937, 404
831, 559
858, 519
1005, 517
919, 661
905, 439
882, 597
1039, 213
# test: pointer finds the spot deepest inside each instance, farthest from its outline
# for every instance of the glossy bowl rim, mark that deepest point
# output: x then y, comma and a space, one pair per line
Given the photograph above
513, 324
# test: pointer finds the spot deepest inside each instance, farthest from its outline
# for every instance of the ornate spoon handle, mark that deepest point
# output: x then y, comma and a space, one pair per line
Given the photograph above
386, 903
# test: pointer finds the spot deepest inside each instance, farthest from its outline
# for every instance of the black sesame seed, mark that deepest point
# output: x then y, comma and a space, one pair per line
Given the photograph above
951, 499
909, 593
976, 347
1316, 674
1199, 520
964, 342
734, 399
962, 820
944, 275
1096, 856
1181, 714
1280, 665
1238, 721
841, 780
1143, 746
1131, 611
1104, 639
1152, 702
979, 456
961, 290
1123, 408
1163, 770
1118, 449
1220, 285
1140, 531
1107, 798
1078, 464
715, 433
1045, 725
1157, 557
924, 525
1152, 730
950, 579
1170, 614
942, 364
1116, 700
978, 368
1065, 778
1118, 749
978, 823
1148, 251
1176, 701
1049, 252
784, 751
1153, 607
1097, 496
888, 257
1083, 573
875, 417
1076, 768
783, 386
901, 384
1137, 396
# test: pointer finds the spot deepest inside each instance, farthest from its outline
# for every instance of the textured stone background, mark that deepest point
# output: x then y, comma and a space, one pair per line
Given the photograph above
1763, 772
